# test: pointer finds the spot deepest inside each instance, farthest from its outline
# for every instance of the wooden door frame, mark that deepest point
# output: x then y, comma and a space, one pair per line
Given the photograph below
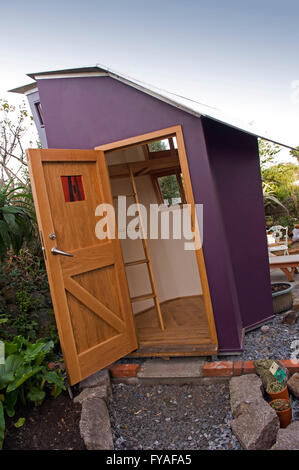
178, 133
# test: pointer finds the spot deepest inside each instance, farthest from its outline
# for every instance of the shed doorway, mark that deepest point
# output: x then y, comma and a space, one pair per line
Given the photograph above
168, 284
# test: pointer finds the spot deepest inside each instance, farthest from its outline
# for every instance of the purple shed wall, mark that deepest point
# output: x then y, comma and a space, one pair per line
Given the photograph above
86, 112
234, 160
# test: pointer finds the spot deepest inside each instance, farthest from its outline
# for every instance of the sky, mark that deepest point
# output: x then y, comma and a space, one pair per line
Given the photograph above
240, 57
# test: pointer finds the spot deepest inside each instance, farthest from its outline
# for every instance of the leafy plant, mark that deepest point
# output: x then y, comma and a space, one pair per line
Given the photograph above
275, 387
16, 217
280, 405
25, 376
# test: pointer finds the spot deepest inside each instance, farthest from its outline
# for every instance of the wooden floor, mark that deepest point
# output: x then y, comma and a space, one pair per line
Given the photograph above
186, 330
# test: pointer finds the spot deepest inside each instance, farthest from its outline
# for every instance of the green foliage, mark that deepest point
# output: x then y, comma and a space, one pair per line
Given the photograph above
169, 187
25, 376
280, 404
23, 300
281, 192
157, 146
16, 218
33, 315
20, 423
295, 153
267, 151
2, 424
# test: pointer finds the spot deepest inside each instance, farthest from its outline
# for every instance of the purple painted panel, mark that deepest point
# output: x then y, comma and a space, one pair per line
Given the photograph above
235, 165
86, 112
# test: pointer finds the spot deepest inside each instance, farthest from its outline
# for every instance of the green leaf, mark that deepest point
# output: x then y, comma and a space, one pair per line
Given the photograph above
9, 369
20, 423
2, 425
36, 394
11, 210
4, 234
11, 222
14, 346
52, 377
36, 352
10, 402
23, 375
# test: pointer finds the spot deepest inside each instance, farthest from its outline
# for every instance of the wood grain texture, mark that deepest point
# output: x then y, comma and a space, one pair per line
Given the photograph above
186, 329
89, 290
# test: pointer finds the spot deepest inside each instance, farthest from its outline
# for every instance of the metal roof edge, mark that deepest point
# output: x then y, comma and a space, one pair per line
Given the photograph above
24, 89
102, 71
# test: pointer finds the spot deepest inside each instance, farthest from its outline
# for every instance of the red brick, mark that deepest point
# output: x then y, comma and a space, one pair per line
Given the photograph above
248, 367
124, 370
218, 369
238, 368
291, 364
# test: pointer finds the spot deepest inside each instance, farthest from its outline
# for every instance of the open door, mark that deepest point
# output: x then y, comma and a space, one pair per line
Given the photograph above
86, 275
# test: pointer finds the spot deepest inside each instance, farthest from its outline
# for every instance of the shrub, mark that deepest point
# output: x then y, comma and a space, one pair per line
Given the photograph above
25, 376
16, 217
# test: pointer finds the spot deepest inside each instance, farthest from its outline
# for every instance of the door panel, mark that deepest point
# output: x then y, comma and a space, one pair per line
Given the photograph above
89, 289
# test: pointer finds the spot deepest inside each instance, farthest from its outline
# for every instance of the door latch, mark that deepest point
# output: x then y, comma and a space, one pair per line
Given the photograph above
55, 251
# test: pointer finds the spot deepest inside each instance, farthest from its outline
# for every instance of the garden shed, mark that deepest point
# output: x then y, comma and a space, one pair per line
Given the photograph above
104, 135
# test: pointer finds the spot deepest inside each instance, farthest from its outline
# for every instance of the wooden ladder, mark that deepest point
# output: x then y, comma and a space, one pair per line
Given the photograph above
152, 295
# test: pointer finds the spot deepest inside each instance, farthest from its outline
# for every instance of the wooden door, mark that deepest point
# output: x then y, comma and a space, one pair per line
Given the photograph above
89, 289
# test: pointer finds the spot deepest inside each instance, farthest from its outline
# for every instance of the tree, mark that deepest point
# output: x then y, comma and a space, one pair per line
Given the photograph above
14, 129
268, 152
169, 188
295, 153
157, 146
17, 216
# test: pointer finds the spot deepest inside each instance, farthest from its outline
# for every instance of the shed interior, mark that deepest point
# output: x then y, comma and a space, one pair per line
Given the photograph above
163, 277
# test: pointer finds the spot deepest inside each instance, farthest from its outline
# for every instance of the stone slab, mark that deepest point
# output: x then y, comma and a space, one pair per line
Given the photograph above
101, 377
95, 428
174, 368
103, 391
170, 380
293, 385
244, 389
256, 426
288, 438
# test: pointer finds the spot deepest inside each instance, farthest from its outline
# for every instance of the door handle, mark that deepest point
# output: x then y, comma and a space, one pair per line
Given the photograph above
55, 251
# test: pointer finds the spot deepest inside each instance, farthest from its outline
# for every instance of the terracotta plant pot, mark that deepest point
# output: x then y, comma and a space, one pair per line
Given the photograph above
285, 416
282, 394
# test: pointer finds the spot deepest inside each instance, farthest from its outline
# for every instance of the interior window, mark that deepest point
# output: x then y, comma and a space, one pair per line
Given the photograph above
169, 188
162, 148
158, 145
39, 112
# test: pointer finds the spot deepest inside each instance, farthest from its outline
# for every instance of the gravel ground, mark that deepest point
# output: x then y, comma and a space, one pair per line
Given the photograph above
174, 417
167, 417
275, 344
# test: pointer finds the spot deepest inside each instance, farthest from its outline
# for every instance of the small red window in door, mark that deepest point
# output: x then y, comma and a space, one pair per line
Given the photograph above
73, 188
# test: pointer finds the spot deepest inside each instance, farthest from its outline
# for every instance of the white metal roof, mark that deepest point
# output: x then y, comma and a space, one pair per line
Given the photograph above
186, 104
